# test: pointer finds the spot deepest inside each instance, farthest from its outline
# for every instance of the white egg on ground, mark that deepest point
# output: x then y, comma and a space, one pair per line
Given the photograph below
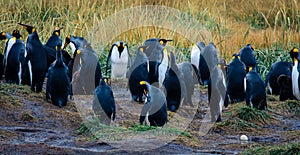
244, 138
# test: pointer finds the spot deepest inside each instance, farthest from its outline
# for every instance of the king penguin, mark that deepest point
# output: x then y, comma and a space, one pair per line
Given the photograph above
13, 59
58, 83
3, 36
217, 95
55, 40
104, 106
195, 53
294, 53
137, 72
174, 85
36, 58
277, 69
154, 52
120, 60
255, 90
85, 59
163, 67
236, 81
247, 56
154, 111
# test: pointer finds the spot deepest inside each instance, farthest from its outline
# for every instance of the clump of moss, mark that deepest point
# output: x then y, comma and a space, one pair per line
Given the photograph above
234, 125
291, 106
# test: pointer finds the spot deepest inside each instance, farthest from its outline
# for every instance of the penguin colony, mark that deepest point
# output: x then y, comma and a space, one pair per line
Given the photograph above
154, 77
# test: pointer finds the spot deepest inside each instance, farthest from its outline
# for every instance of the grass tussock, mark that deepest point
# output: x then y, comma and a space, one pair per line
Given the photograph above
287, 149
92, 127
290, 106
241, 118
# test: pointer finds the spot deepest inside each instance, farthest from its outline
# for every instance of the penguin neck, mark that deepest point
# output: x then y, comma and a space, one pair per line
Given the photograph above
35, 36
165, 59
59, 61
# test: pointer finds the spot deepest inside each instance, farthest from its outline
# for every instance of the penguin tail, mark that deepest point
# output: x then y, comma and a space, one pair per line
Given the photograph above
173, 108
60, 103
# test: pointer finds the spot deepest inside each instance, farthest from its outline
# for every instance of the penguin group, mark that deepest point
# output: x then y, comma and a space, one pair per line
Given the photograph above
155, 78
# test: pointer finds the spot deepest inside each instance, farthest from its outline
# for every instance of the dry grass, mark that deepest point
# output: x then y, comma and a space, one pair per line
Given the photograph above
231, 23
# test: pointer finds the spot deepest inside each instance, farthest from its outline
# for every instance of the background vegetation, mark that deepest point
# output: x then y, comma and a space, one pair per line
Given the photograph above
272, 26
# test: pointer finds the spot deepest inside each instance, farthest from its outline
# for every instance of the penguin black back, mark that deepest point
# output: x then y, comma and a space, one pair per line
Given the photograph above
104, 103
136, 73
247, 56
173, 85
277, 69
58, 83
236, 74
255, 90
55, 39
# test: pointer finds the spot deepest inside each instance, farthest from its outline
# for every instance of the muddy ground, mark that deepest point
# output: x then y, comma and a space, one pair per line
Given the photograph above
29, 124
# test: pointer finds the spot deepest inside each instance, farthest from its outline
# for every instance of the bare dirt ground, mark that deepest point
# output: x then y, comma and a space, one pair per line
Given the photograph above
29, 124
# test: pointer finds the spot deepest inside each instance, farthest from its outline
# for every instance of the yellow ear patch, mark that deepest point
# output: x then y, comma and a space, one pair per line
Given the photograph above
57, 33
194, 45
33, 30
250, 69
3, 33
141, 49
142, 83
69, 37
219, 65
105, 80
295, 50
161, 42
165, 50
56, 47
78, 51
119, 44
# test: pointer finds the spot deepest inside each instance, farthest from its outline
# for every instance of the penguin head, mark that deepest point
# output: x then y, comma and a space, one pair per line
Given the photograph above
104, 81
164, 41
120, 46
3, 36
57, 31
16, 34
250, 46
30, 29
200, 45
294, 53
146, 86
67, 41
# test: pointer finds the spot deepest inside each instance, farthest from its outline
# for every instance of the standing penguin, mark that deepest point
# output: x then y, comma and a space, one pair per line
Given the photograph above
104, 106
236, 81
154, 52
277, 69
120, 60
247, 56
174, 85
58, 83
163, 67
4, 36
85, 59
189, 78
55, 40
217, 95
13, 59
36, 58
137, 72
195, 53
154, 112
294, 53
255, 90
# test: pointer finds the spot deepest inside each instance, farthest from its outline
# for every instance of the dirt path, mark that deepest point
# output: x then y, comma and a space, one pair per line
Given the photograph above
29, 124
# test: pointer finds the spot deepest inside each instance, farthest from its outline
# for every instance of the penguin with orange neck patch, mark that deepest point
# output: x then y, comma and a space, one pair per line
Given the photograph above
13, 59
294, 53
255, 90
154, 112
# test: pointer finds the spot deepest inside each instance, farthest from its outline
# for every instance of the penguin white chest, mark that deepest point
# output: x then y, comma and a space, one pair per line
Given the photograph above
119, 63
195, 56
295, 76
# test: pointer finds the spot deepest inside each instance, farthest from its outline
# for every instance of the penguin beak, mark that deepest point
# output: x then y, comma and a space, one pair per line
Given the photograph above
67, 41
30, 29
